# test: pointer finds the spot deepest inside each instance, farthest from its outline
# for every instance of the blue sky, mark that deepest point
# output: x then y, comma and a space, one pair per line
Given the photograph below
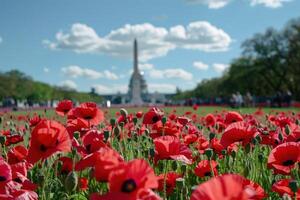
83, 44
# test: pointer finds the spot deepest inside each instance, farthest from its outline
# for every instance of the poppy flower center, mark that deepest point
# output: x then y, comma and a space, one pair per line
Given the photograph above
88, 117
2, 178
128, 186
88, 148
43, 148
288, 163
207, 174
155, 119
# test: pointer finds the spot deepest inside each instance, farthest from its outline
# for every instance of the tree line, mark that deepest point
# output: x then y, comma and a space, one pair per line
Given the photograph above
269, 63
19, 86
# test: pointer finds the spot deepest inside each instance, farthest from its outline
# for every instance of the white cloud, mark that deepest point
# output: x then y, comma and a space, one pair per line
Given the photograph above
46, 69
212, 4
161, 87
176, 73
112, 89
68, 84
200, 65
110, 75
200, 35
153, 41
75, 71
269, 3
220, 68
145, 66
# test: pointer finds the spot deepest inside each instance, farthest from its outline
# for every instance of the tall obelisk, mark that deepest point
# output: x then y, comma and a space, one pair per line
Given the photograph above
136, 98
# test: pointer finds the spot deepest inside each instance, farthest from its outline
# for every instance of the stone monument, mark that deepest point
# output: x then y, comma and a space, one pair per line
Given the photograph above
137, 86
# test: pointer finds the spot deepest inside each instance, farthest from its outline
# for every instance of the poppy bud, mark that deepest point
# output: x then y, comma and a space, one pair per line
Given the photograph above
233, 154
106, 134
174, 165
287, 130
258, 138
293, 185
152, 152
123, 112
2, 139
117, 131
286, 197
224, 152
122, 124
209, 153
71, 181
183, 168
180, 182
135, 120
164, 120
147, 132
76, 135
280, 136
112, 122
212, 136
261, 157
27, 126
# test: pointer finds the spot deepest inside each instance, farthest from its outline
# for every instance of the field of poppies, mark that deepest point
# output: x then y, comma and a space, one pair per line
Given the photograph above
85, 152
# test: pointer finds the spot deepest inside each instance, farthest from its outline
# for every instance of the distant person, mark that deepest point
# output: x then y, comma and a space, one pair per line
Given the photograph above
288, 98
248, 100
239, 100
233, 100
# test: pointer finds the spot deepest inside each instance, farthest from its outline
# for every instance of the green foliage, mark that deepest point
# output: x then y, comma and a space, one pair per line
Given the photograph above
19, 86
270, 62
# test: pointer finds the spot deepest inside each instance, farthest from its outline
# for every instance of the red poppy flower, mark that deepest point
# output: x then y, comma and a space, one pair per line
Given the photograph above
67, 165
47, 138
152, 116
232, 117
93, 141
17, 154
170, 147
190, 138
88, 112
170, 179
83, 183
195, 107
294, 136
210, 120
139, 114
216, 146
282, 187
63, 107
13, 139
132, 177
205, 167
284, 157
229, 186
202, 144
103, 161
183, 120
238, 132
259, 192
169, 128
5, 171
33, 121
